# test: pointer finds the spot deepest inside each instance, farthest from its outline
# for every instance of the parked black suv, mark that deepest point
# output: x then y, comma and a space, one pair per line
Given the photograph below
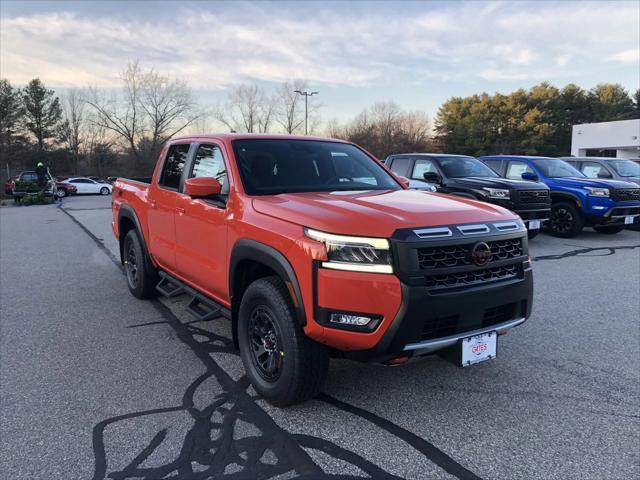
468, 177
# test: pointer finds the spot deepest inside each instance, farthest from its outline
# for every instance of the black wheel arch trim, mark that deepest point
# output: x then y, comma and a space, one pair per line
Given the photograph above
245, 249
126, 212
563, 196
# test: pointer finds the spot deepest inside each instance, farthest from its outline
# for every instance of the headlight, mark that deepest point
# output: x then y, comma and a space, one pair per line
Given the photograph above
497, 193
357, 254
597, 192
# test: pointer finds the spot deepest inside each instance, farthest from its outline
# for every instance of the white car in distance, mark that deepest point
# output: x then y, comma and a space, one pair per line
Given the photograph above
86, 185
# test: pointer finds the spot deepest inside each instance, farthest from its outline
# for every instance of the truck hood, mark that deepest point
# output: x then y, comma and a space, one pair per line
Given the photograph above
579, 182
376, 213
635, 180
507, 183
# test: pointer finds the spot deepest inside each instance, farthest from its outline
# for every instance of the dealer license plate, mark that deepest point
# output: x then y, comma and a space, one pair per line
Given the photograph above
534, 224
479, 348
628, 220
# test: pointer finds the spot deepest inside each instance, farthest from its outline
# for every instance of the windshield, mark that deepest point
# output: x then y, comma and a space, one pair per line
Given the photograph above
271, 166
554, 168
459, 167
625, 168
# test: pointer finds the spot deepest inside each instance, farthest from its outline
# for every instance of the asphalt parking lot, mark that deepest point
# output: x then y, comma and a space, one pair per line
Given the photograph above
97, 384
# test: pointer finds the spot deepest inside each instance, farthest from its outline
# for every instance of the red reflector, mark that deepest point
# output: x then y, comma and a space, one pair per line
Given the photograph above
503, 333
398, 361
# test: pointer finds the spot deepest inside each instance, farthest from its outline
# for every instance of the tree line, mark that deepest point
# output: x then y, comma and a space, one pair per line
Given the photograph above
537, 121
121, 131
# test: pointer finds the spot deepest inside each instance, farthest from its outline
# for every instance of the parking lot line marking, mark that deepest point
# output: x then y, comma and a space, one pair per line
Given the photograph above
429, 450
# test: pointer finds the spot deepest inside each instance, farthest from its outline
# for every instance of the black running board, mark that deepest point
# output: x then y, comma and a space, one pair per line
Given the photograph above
201, 306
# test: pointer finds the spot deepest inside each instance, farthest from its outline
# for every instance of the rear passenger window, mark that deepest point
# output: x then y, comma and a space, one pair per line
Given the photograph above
400, 166
209, 162
516, 169
495, 165
594, 170
174, 165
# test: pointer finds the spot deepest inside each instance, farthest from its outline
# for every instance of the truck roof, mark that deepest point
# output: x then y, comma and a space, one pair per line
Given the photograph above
526, 157
428, 155
255, 136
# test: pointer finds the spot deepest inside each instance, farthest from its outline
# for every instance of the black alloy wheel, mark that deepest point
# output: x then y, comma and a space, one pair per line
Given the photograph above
565, 220
266, 348
131, 263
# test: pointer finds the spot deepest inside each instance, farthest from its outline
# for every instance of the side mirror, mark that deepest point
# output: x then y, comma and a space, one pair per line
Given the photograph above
604, 174
529, 176
432, 177
404, 181
202, 187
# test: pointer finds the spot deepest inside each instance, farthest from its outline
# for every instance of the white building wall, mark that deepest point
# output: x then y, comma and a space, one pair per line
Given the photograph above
622, 136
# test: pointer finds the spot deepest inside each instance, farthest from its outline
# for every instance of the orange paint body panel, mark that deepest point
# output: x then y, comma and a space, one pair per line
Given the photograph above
367, 293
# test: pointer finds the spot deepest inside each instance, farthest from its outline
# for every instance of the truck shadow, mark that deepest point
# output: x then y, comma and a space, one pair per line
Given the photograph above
211, 447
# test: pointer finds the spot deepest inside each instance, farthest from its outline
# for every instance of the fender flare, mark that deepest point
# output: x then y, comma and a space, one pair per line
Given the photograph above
129, 213
245, 249
566, 196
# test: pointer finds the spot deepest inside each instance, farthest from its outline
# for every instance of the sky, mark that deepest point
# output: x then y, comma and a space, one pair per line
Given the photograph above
417, 53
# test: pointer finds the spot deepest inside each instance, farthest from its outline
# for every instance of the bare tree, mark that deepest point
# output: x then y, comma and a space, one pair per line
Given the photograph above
122, 117
248, 109
169, 107
152, 109
73, 124
385, 128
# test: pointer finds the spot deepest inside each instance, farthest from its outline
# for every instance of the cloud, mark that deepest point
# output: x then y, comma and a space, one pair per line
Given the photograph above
340, 45
627, 56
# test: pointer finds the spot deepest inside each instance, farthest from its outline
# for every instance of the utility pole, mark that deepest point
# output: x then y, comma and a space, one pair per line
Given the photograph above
306, 107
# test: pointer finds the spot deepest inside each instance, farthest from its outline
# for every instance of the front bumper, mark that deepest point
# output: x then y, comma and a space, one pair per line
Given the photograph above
428, 322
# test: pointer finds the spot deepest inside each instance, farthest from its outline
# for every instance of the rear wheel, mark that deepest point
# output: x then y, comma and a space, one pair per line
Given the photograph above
282, 363
609, 229
565, 220
142, 278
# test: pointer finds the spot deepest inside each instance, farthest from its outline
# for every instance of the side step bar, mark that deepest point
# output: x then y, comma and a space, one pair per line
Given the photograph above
200, 306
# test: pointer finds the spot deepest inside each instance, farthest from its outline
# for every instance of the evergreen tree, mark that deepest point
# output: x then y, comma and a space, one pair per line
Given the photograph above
42, 111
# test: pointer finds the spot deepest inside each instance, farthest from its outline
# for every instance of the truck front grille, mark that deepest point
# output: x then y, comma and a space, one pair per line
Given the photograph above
625, 194
474, 277
460, 255
534, 196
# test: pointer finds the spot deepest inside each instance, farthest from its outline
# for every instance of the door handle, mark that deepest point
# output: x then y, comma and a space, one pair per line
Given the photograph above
180, 210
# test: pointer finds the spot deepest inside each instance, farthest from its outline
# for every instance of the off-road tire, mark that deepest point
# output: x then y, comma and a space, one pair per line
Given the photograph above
608, 229
565, 220
143, 283
304, 363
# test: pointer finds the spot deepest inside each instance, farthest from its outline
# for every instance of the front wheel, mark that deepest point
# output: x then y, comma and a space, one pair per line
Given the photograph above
609, 229
565, 220
142, 278
104, 191
61, 193
282, 363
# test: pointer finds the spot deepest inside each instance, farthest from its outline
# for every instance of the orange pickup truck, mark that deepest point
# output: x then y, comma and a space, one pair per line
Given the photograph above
313, 249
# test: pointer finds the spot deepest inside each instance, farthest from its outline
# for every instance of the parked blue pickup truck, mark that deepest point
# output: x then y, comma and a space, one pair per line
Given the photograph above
577, 201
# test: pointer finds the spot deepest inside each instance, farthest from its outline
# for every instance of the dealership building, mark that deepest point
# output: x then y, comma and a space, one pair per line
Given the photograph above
619, 139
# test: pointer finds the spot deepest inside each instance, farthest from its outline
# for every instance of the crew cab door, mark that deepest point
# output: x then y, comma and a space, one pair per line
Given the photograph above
201, 226
162, 199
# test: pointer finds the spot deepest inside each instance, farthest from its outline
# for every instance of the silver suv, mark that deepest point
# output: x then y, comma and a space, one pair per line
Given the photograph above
607, 167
